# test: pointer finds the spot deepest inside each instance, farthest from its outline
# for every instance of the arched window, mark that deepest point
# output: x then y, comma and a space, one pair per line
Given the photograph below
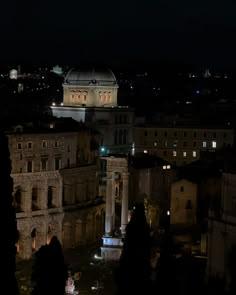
35, 198
49, 233
17, 200
33, 239
50, 196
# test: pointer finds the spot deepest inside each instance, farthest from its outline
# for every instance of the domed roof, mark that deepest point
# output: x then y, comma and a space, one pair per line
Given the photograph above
91, 76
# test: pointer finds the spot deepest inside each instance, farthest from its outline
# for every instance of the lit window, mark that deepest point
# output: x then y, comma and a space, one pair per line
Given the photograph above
214, 144
168, 167
164, 167
155, 143
184, 154
204, 144
174, 153
194, 154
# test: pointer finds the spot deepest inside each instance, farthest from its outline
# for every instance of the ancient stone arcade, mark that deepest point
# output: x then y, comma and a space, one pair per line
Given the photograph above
84, 210
39, 210
54, 196
117, 177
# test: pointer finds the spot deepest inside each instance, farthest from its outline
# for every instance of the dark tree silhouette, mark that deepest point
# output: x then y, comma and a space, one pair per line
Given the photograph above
49, 272
133, 274
8, 222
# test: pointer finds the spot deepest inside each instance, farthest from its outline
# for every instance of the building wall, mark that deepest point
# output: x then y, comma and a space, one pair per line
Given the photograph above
55, 184
181, 146
222, 232
183, 203
90, 96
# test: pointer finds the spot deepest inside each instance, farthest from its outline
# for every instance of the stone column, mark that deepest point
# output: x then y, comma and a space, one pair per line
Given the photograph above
26, 198
43, 196
113, 200
124, 206
59, 192
109, 217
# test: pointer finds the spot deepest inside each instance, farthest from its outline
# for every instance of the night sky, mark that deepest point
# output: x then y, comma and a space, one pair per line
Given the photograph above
114, 32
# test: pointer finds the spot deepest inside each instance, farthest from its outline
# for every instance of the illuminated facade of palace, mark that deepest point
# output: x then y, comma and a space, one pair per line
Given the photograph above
55, 176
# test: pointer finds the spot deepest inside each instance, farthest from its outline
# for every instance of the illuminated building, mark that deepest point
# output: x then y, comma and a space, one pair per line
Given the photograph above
54, 171
90, 96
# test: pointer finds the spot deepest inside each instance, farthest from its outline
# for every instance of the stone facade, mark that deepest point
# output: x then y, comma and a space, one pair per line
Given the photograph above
183, 210
222, 232
180, 146
55, 187
90, 96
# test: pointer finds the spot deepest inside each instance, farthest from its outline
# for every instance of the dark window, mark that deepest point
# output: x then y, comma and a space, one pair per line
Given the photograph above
124, 136
57, 163
68, 163
181, 188
29, 166
50, 195
120, 136
189, 204
44, 164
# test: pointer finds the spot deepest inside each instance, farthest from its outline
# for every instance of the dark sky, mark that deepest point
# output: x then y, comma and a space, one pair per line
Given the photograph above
150, 31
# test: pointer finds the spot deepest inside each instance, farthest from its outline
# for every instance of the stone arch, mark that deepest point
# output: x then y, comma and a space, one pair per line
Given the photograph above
34, 198
49, 233
17, 199
33, 238
50, 197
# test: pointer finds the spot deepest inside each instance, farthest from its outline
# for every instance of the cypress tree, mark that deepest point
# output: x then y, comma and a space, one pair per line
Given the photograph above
134, 268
